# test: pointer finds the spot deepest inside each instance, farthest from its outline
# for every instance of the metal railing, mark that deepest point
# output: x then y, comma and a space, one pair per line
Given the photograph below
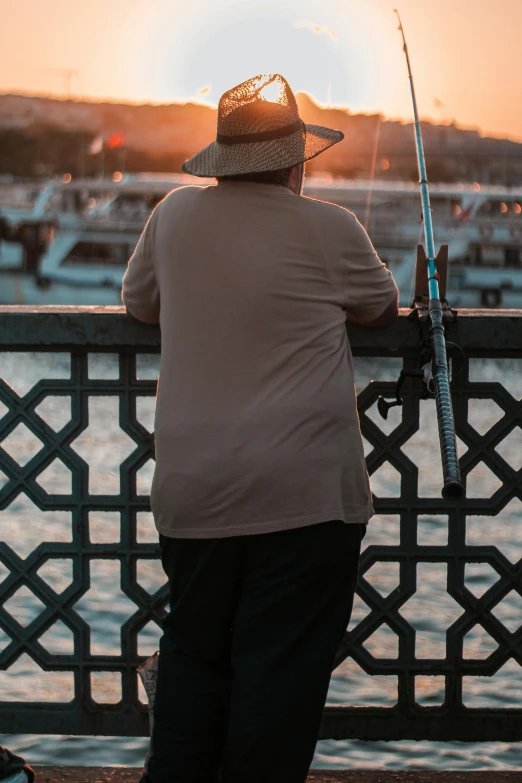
80, 331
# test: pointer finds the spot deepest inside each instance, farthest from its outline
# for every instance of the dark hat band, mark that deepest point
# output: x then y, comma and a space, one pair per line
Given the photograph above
269, 135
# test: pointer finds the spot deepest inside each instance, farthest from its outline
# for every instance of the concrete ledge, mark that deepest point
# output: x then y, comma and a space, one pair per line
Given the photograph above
495, 333
132, 775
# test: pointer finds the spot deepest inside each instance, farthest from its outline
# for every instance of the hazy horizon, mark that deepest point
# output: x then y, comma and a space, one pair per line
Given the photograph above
213, 106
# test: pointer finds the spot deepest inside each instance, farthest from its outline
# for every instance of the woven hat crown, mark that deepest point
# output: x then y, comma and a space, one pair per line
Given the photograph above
259, 129
263, 103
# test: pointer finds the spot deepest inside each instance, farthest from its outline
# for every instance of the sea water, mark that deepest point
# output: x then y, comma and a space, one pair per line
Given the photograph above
431, 610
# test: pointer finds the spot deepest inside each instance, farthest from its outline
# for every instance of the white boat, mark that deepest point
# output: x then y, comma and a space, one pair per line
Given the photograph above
82, 234
69, 202
482, 224
80, 267
72, 243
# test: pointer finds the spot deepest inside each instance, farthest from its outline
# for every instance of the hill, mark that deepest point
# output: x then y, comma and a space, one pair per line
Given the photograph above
43, 136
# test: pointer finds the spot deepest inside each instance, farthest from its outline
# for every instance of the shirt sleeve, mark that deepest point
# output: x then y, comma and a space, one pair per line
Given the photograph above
369, 287
140, 292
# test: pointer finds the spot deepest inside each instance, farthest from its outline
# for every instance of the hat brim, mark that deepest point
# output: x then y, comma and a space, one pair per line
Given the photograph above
227, 160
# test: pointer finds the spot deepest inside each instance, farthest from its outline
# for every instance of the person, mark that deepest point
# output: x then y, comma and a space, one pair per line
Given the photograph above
260, 493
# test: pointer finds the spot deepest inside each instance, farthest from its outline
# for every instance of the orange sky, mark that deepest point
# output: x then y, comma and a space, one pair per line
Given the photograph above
346, 52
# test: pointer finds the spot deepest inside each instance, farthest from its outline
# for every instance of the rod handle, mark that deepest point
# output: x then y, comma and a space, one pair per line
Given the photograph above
453, 487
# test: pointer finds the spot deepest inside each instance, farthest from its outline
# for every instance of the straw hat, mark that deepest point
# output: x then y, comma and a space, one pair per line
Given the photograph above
259, 129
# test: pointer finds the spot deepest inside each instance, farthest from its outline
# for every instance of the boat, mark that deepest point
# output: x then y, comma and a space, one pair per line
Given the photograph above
482, 224
72, 243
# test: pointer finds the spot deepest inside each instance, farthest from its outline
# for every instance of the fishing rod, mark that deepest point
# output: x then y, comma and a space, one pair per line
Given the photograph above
452, 484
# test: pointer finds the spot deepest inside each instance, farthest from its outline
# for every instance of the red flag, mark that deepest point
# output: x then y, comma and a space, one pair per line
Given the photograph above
465, 215
116, 140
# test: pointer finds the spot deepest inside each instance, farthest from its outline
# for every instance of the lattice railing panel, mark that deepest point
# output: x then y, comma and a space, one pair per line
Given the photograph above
109, 522
437, 627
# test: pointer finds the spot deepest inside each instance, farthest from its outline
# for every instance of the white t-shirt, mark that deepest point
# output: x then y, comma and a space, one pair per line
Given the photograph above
256, 420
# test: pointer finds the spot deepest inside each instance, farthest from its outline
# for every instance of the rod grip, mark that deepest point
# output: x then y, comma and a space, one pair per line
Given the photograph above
452, 484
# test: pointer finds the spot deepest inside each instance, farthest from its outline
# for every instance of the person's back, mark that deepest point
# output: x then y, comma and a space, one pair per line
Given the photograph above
256, 423
260, 492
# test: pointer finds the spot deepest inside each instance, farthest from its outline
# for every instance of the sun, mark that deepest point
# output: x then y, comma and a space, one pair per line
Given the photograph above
333, 51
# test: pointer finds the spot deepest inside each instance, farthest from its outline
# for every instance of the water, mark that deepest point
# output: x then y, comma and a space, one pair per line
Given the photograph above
431, 610
19, 777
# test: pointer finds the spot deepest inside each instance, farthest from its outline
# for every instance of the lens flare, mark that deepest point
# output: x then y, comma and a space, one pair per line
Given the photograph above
320, 29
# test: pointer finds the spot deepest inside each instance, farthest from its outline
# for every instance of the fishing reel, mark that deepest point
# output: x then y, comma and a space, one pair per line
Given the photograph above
425, 374
420, 311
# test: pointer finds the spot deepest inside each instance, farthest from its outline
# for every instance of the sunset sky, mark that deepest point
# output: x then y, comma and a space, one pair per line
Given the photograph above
465, 53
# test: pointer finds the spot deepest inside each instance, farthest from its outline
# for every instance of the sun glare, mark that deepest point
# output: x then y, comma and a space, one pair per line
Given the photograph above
318, 28
272, 92
333, 53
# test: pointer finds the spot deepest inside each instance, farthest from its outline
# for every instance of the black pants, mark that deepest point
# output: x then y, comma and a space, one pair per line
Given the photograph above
247, 652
